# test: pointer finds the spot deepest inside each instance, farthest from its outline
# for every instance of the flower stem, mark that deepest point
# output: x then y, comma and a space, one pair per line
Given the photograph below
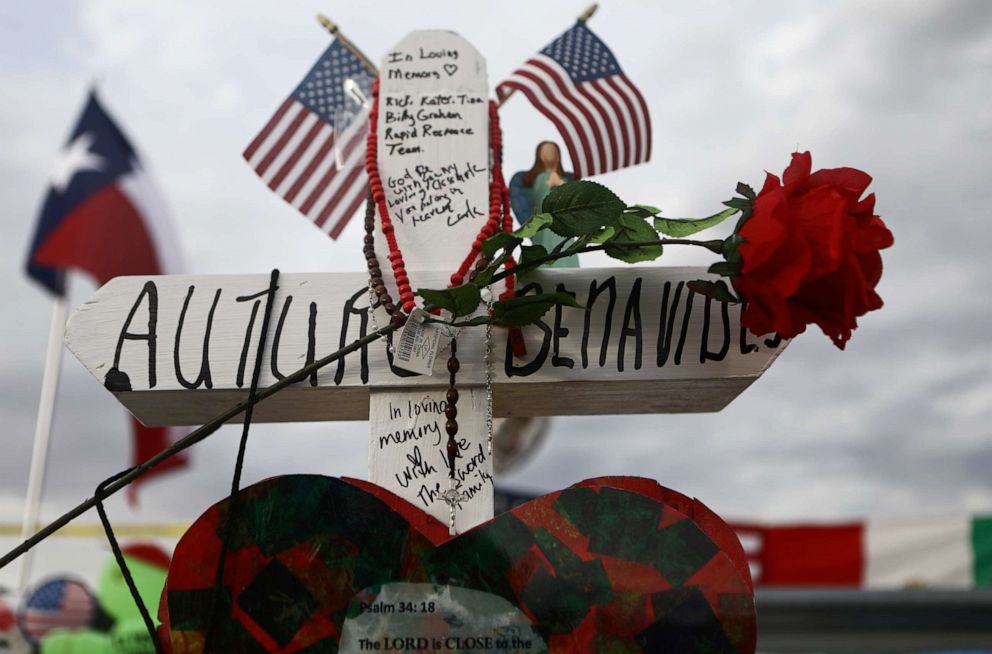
534, 263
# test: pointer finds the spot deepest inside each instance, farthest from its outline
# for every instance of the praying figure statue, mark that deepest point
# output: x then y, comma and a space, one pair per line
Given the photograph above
528, 190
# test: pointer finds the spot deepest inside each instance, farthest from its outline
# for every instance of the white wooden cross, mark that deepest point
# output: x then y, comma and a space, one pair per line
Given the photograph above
179, 350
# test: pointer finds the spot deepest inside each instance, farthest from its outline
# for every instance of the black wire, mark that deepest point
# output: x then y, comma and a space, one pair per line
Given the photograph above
194, 437
122, 564
232, 502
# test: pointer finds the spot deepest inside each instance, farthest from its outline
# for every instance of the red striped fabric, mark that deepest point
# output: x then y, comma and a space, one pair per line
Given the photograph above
308, 153
294, 155
804, 555
578, 85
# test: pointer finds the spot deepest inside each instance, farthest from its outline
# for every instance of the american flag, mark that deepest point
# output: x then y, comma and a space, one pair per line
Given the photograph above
578, 84
56, 604
310, 152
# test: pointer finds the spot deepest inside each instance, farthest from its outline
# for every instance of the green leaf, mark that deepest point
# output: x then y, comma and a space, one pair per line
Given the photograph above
682, 227
581, 207
579, 243
746, 191
484, 278
460, 300
604, 235
730, 248
632, 229
737, 203
745, 216
537, 222
725, 268
529, 253
500, 240
526, 309
717, 290
643, 210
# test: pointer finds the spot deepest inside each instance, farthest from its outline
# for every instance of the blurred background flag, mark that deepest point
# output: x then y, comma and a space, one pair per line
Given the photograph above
940, 551
311, 152
577, 84
104, 216
59, 603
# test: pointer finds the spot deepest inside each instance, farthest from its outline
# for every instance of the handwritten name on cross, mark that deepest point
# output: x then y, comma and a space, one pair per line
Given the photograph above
185, 346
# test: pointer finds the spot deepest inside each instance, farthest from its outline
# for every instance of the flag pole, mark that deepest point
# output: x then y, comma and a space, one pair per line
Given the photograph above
583, 17
42, 433
335, 31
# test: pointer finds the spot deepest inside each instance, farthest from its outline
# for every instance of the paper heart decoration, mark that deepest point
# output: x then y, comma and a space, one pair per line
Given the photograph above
319, 564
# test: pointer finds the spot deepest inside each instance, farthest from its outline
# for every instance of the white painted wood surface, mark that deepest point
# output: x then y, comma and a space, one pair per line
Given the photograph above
434, 148
433, 154
407, 452
577, 363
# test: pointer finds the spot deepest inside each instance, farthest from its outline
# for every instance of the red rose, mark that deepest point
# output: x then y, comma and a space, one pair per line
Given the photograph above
810, 252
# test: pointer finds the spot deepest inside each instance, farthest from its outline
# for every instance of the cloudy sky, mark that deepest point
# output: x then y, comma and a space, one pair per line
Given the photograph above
899, 424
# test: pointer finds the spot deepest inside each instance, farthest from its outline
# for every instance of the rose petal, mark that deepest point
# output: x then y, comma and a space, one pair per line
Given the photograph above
852, 180
798, 171
810, 252
865, 206
821, 216
871, 267
771, 183
765, 231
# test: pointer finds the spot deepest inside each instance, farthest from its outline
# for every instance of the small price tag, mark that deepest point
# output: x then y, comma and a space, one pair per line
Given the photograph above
418, 344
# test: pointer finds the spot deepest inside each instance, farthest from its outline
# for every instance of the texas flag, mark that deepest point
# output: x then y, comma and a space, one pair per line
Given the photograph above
102, 215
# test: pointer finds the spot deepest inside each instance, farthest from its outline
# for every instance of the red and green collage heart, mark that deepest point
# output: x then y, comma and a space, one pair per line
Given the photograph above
321, 564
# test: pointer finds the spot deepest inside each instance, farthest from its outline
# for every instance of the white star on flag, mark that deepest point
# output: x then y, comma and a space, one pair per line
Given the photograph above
75, 158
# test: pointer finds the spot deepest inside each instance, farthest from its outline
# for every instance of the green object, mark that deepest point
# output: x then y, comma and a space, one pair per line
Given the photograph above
76, 642
682, 227
536, 193
981, 540
114, 596
629, 228
581, 208
128, 634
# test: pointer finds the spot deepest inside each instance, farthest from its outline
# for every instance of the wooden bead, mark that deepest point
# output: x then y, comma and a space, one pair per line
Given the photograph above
451, 412
451, 427
452, 451
409, 305
380, 290
472, 275
453, 365
369, 239
389, 306
452, 396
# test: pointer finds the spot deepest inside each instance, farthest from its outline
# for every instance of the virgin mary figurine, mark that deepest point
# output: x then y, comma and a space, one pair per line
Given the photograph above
528, 190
